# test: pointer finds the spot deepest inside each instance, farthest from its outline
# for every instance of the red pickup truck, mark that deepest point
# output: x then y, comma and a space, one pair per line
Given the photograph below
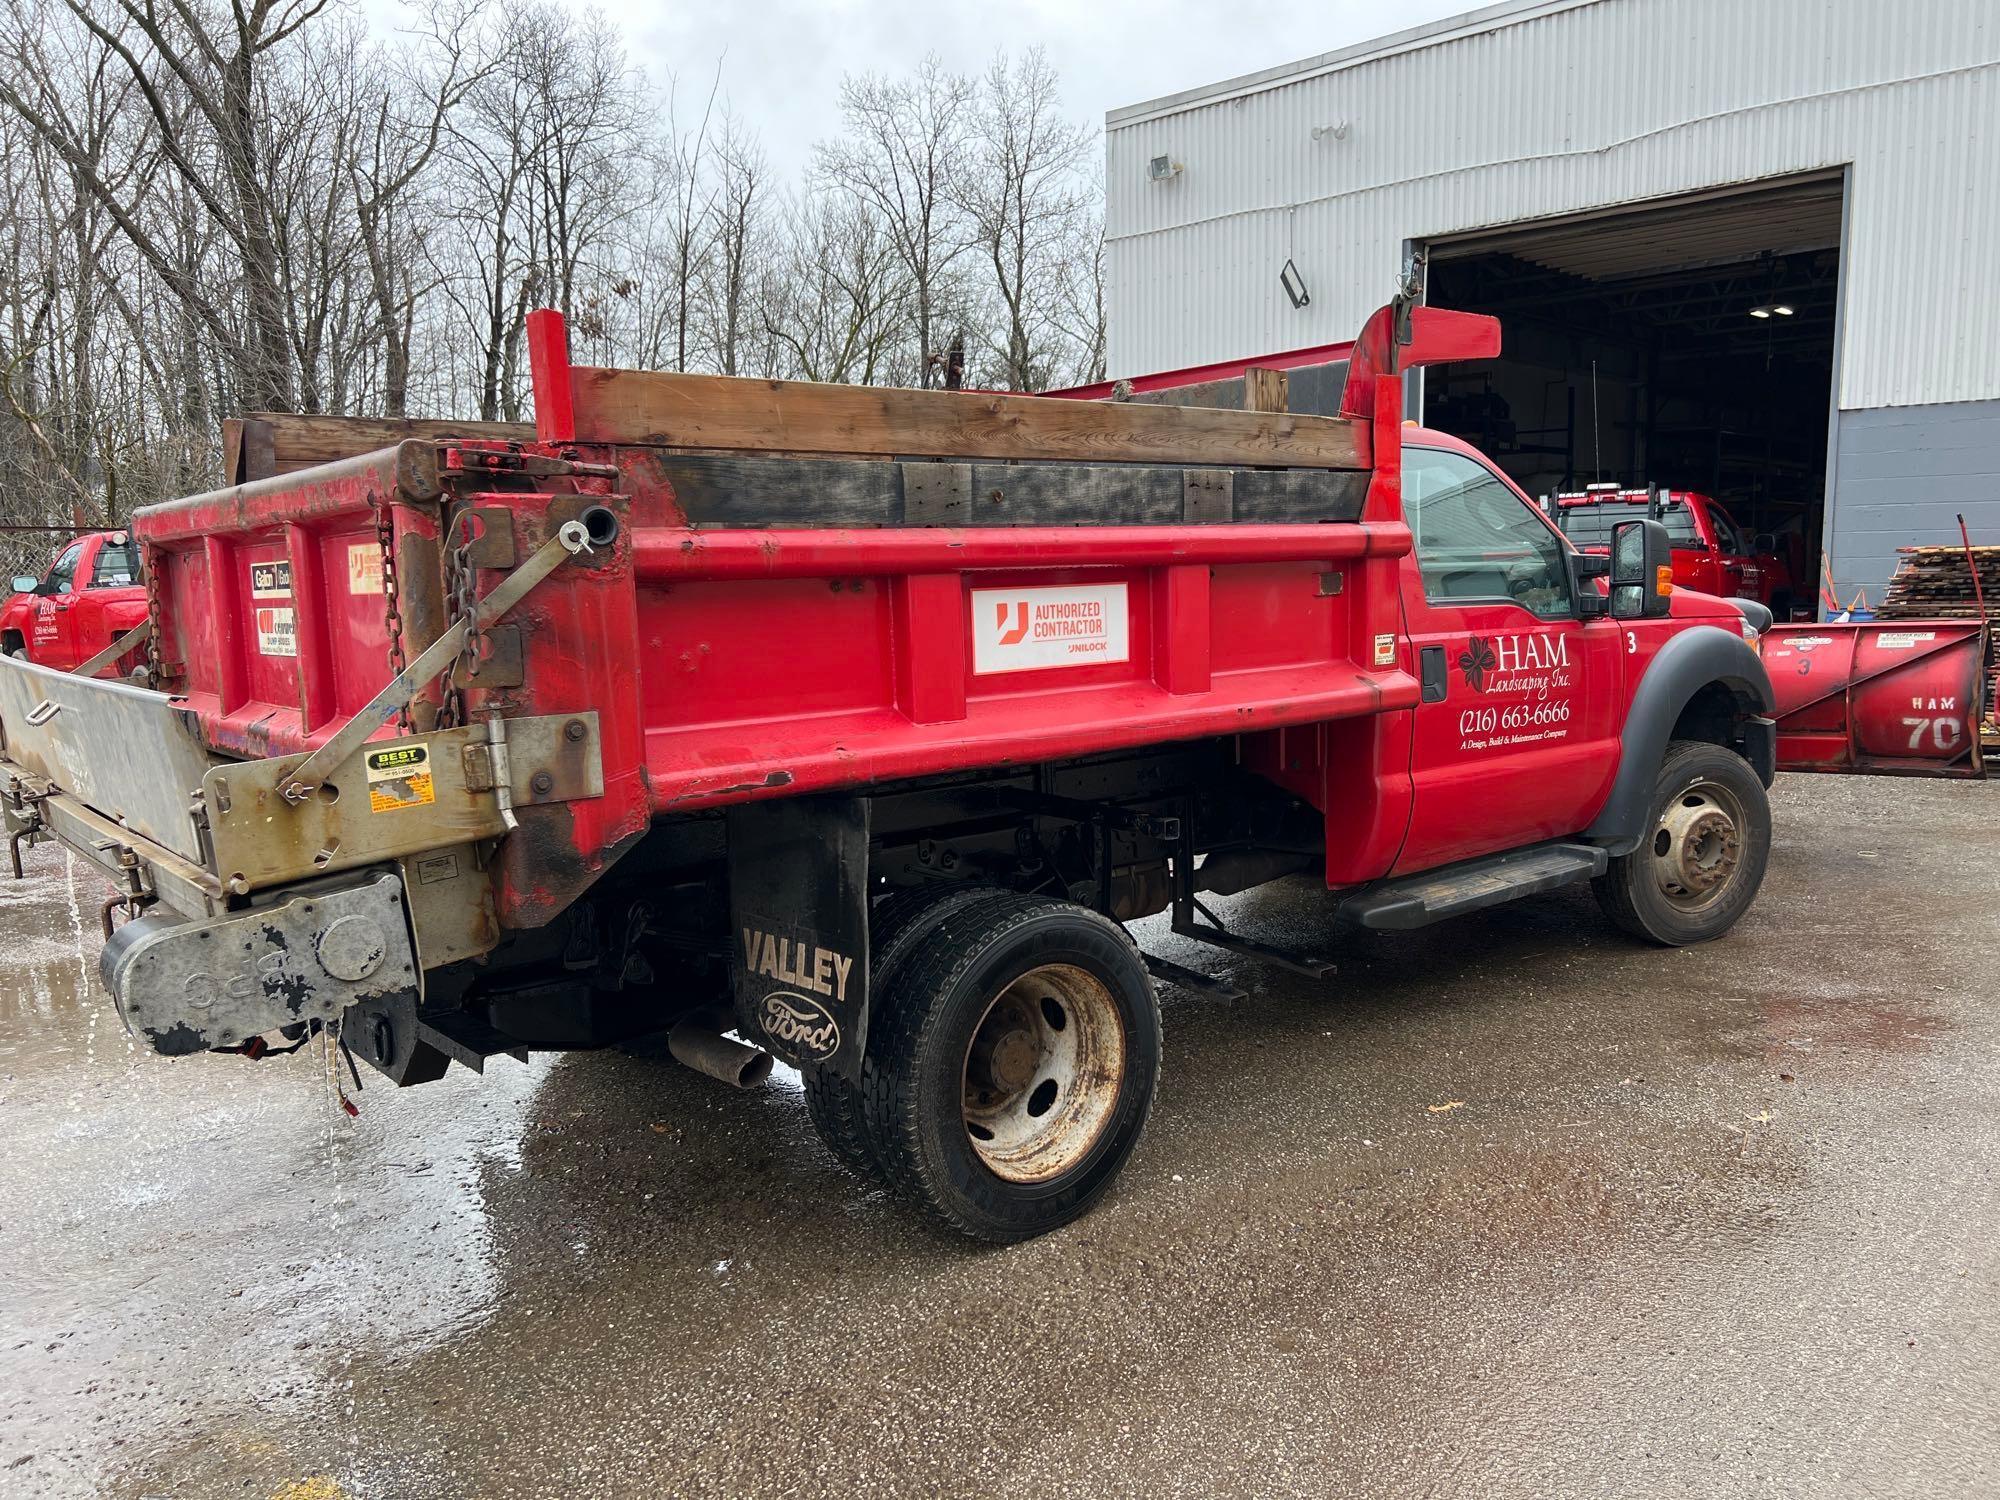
860, 724
89, 597
1711, 553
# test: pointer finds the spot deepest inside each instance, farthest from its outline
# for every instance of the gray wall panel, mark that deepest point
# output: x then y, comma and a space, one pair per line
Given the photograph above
1548, 107
1902, 474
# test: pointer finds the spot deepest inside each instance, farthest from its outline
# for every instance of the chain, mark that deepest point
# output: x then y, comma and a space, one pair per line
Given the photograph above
149, 559
461, 602
392, 614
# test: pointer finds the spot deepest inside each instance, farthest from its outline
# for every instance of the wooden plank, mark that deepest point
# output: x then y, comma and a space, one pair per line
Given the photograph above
290, 441
1264, 390
721, 412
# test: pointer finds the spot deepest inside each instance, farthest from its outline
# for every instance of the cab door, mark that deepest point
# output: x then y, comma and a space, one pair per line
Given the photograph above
1516, 739
53, 639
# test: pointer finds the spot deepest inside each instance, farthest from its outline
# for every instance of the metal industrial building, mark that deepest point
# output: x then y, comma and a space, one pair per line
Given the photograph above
1750, 247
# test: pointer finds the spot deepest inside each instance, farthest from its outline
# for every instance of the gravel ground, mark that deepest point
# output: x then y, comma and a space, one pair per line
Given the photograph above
1507, 1208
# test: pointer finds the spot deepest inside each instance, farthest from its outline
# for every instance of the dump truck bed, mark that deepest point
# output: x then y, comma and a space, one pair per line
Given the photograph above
793, 589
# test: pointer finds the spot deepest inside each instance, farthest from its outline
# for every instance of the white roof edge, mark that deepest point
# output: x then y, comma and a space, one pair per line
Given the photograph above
1450, 29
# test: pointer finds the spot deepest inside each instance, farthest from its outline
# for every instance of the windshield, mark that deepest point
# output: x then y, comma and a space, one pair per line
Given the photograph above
1590, 525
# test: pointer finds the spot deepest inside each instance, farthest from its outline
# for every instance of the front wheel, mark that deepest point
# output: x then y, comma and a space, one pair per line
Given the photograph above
1704, 856
1011, 1065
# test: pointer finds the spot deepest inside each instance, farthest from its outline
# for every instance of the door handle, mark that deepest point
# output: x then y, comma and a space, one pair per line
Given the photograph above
1431, 670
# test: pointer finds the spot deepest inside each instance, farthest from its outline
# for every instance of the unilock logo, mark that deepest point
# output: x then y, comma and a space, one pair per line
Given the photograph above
793, 1018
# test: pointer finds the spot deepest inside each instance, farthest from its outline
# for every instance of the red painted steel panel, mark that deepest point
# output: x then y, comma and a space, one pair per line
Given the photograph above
1897, 697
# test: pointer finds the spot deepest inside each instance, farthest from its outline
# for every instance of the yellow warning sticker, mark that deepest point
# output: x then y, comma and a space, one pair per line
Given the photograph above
399, 776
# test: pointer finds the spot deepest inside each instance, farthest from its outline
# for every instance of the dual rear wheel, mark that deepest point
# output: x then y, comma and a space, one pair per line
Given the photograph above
1013, 1050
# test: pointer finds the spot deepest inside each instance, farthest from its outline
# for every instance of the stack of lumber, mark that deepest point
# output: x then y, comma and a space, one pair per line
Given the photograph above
1935, 583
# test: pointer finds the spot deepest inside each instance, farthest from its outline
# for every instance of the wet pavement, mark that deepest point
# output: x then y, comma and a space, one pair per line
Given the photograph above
1508, 1208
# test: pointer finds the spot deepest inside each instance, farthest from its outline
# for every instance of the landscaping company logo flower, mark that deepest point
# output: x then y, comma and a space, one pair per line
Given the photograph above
1475, 661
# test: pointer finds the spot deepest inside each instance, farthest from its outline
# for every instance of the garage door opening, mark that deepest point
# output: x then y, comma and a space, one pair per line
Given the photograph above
1687, 344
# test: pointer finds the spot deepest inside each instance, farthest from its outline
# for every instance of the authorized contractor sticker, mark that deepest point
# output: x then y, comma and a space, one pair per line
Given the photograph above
399, 776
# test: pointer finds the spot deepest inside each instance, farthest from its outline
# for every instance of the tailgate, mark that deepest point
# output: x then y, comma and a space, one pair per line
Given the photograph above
133, 755
279, 612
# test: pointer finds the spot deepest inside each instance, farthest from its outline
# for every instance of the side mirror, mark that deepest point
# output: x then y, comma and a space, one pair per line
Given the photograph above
1764, 541
26, 585
1584, 569
1642, 570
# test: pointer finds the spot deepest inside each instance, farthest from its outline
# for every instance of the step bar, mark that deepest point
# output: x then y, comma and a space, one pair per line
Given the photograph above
1473, 885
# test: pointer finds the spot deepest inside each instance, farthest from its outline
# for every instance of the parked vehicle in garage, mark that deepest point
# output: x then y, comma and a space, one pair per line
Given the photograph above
89, 597
860, 723
1711, 553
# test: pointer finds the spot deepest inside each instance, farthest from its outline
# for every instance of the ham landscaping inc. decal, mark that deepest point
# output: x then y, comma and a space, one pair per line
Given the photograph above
1533, 672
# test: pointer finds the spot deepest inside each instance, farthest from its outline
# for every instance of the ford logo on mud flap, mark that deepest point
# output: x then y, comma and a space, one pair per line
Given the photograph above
799, 1025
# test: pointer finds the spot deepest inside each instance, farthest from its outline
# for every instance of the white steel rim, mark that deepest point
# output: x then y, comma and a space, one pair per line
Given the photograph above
1043, 1072
1698, 846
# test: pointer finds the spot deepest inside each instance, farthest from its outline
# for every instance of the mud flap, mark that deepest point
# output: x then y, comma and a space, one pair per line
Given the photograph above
798, 892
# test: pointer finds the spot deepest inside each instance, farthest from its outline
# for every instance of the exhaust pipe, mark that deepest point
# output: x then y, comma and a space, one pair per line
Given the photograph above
696, 1044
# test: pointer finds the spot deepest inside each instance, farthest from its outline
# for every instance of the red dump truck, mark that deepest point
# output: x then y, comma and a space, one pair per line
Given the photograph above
859, 723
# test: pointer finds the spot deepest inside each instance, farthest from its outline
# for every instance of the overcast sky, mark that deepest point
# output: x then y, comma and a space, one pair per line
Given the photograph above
782, 60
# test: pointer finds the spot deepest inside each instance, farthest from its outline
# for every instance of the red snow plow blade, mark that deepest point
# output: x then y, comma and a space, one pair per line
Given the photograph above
1891, 697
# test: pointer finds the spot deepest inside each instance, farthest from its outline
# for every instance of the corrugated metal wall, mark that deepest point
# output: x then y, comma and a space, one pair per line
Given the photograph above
1566, 106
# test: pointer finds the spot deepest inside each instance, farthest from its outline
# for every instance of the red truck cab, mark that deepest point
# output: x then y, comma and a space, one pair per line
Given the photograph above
89, 597
1712, 554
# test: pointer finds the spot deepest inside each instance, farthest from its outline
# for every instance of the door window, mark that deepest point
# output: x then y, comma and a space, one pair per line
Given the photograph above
1727, 537
63, 574
1478, 540
117, 566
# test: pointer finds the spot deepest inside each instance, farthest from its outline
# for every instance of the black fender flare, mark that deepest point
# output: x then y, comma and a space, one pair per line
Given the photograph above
1687, 663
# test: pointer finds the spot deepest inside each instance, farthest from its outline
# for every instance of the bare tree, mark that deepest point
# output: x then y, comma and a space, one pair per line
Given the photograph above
404, 106
218, 146
208, 208
737, 214
906, 147
1022, 190
835, 301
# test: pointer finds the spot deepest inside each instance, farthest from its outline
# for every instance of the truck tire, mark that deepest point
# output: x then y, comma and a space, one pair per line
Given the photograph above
833, 1104
1011, 1065
1700, 867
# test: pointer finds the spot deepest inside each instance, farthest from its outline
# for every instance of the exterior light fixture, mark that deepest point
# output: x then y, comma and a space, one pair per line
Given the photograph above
1293, 283
1782, 309
1163, 169
1772, 309
1760, 312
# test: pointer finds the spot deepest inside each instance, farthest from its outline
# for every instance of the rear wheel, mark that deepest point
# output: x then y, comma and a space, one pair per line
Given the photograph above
833, 1104
1704, 855
1012, 1065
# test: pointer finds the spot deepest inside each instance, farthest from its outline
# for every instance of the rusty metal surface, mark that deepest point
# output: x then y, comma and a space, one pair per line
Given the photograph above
409, 470
128, 752
449, 893
409, 795
395, 797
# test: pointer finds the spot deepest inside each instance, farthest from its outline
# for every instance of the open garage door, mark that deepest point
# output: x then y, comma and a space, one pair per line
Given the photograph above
1685, 343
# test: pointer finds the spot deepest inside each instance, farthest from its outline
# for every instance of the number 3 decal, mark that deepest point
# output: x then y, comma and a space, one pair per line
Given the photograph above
1631, 643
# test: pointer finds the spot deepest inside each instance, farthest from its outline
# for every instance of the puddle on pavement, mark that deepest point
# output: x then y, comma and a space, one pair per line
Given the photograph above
192, 1239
